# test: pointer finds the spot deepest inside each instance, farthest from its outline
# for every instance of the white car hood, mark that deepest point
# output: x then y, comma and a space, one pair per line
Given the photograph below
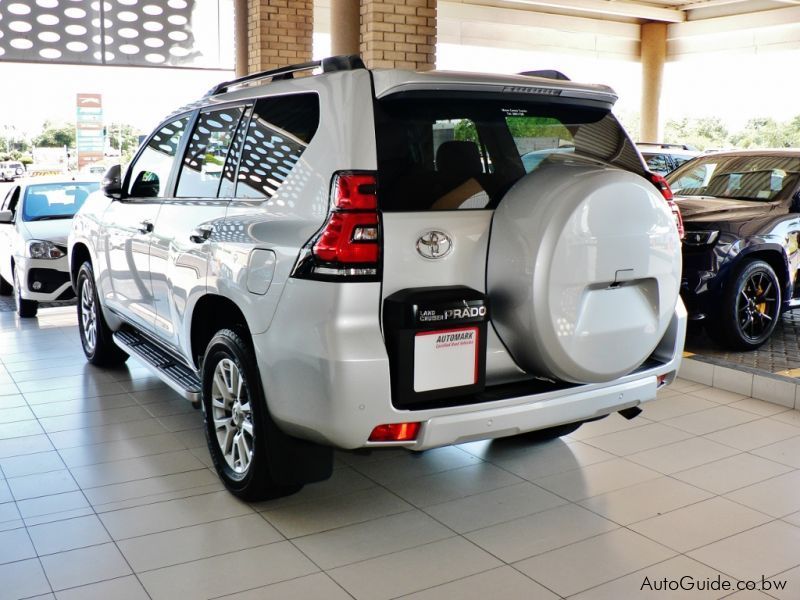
55, 231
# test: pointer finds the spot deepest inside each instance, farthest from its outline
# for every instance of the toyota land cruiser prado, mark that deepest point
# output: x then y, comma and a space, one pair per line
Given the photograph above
359, 259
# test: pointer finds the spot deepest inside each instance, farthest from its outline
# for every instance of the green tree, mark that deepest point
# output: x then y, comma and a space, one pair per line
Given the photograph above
56, 136
766, 132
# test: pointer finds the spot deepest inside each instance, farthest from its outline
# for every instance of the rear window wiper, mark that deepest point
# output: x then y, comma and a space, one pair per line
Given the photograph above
50, 217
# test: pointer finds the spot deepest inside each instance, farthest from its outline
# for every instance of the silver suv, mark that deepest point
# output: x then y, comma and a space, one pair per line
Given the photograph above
360, 259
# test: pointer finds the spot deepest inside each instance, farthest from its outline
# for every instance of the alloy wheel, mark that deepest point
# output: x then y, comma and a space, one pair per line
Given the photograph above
88, 315
232, 416
756, 305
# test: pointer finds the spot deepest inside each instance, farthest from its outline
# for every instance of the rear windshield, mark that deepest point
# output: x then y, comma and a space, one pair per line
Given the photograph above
744, 177
446, 154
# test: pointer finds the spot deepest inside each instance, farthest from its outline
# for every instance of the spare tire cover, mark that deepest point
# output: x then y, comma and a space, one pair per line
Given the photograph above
583, 271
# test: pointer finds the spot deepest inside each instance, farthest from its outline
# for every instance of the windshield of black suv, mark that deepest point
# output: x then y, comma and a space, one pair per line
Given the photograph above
46, 201
760, 178
466, 152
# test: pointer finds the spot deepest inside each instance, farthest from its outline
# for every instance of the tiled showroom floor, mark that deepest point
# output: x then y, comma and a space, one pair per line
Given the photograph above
106, 493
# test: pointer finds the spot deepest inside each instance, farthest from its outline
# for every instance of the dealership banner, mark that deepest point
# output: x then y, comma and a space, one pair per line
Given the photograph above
176, 33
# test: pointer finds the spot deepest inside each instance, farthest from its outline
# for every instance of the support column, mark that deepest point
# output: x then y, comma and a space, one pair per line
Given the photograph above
345, 27
398, 34
279, 33
653, 55
240, 36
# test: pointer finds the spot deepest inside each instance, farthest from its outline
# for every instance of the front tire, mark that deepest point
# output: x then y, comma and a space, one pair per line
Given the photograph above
236, 421
751, 306
96, 336
26, 309
6, 289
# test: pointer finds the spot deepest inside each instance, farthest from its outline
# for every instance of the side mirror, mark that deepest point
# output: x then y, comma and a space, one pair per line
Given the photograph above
6, 216
112, 182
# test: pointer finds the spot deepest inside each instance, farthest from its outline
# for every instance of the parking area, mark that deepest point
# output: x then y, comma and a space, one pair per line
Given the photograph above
107, 492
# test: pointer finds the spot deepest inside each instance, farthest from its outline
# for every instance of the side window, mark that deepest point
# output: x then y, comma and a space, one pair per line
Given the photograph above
204, 161
279, 132
11, 199
150, 172
658, 163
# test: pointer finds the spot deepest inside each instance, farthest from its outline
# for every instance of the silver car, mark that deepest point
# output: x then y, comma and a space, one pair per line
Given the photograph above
359, 259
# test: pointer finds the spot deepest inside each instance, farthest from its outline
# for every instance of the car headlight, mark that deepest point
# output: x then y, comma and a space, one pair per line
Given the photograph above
44, 249
700, 238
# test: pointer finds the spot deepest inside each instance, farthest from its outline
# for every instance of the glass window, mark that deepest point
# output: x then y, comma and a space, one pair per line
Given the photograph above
10, 201
657, 163
206, 152
150, 172
464, 152
279, 132
55, 200
740, 177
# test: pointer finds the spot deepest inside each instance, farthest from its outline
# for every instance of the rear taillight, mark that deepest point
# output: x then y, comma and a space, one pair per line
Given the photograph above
663, 187
348, 247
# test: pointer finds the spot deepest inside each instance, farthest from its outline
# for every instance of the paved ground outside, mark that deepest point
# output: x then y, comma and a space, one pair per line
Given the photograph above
780, 355
106, 491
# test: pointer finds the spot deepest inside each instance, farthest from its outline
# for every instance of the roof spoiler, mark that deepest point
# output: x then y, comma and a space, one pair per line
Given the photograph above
328, 65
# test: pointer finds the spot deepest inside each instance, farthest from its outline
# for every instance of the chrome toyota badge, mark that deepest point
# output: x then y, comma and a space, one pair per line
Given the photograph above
434, 244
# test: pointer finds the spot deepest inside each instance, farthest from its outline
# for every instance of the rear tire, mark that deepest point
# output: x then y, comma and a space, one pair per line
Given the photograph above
6, 289
237, 424
750, 307
96, 336
26, 309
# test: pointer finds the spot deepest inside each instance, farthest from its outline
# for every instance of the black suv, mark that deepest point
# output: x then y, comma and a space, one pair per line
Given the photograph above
741, 211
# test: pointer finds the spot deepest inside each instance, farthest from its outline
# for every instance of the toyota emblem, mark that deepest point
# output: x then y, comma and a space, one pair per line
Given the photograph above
434, 244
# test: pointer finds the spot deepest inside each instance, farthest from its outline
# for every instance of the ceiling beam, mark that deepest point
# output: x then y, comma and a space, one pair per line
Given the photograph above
618, 8
777, 17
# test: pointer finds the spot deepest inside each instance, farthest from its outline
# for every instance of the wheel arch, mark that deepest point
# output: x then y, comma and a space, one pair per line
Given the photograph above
775, 256
79, 255
210, 314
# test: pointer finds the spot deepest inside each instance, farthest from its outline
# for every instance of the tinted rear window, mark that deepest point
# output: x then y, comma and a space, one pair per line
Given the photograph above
445, 154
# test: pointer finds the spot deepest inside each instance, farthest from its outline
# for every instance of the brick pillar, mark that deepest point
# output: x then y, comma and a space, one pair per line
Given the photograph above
279, 33
399, 34
653, 54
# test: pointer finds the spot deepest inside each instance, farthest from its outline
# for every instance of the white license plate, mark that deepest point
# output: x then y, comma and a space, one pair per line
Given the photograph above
445, 358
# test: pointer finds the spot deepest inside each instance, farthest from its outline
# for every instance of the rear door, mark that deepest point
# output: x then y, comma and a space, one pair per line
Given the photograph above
129, 223
191, 220
446, 161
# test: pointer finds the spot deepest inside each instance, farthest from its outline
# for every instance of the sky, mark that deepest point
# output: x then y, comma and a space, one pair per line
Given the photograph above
733, 87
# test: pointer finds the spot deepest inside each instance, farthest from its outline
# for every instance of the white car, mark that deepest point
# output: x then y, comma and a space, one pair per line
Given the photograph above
35, 219
11, 170
358, 259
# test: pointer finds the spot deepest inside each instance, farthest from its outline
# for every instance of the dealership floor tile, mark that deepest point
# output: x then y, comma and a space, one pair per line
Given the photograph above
106, 491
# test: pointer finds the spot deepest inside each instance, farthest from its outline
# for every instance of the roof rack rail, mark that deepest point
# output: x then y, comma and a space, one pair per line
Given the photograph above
547, 74
328, 65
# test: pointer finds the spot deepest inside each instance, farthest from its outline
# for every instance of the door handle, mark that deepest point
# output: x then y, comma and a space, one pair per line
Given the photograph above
145, 227
201, 234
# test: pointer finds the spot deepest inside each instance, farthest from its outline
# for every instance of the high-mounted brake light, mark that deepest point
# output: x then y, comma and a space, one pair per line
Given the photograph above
348, 247
663, 187
395, 432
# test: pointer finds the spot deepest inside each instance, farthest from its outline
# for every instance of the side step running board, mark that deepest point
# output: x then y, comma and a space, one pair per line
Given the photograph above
174, 373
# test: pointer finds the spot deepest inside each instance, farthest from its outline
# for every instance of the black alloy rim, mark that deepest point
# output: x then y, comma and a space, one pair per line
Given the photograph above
756, 305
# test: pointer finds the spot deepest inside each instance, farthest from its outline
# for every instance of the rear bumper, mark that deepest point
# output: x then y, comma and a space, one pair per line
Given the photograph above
328, 380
